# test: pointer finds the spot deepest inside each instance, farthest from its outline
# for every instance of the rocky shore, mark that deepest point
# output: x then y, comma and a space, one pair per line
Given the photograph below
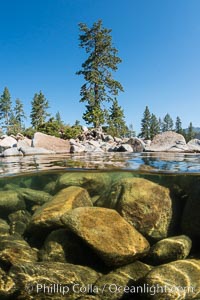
94, 141
99, 235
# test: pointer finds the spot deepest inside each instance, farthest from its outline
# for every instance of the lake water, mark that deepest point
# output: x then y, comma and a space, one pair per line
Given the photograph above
27, 183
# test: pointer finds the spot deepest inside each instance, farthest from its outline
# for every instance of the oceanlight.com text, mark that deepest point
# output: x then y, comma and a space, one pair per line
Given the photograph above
76, 288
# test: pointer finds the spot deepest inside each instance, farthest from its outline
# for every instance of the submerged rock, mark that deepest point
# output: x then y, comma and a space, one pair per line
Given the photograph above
4, 228
107, 233
64, 246
47, 280
94, 183
10, 202
15, 250
176, 280
144, 204
118, 283
49, 215
170, 249
7, 285
19, 221
34, 196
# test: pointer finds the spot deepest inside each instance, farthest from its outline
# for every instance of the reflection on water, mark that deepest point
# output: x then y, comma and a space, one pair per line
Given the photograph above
153, 162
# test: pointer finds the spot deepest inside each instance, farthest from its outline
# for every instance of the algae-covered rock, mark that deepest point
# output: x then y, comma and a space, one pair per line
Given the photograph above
94, 183
4, 228
64, 246
107, 233
176, 280
34, 196
65, 280
50, 213
112, 285
15, 250
169, 249
144, 204
10, 202
19, 221
7, 285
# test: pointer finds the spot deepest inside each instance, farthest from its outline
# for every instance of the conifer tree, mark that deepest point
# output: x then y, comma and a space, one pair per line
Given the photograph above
191, 134
167, 123
178, 125
58, 118
16, 118
116, 122
5, 107
97, 71
154, 126
39, 110
145, 124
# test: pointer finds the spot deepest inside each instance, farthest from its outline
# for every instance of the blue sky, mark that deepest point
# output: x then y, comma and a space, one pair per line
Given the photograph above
158, 42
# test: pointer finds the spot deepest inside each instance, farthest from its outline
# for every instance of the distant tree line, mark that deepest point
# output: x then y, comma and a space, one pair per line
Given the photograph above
151, 126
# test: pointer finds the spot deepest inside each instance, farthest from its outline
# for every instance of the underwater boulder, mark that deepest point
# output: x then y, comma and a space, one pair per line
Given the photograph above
118, 283
4, 228
114, 240
63, 280
144, 204
19, 221
10, 202
176, 280
7, 285
169, 249
94, 183
15, 250
49, 214
34, 196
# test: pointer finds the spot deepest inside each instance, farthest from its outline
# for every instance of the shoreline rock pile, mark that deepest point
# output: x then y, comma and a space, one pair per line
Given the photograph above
94, 235
94, 141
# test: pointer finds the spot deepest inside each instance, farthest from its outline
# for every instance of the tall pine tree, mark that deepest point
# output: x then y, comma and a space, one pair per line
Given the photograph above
39, 110
97, 70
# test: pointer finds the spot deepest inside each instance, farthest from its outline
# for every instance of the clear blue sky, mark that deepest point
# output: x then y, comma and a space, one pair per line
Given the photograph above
158, 41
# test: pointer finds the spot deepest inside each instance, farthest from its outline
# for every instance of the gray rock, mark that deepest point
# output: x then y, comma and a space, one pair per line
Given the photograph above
194, 145
108, 138
136, 144
168, 141
77, 148
50, 143
125, 148
25, 142
12, 152
7, 142
114, 240
35, 151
